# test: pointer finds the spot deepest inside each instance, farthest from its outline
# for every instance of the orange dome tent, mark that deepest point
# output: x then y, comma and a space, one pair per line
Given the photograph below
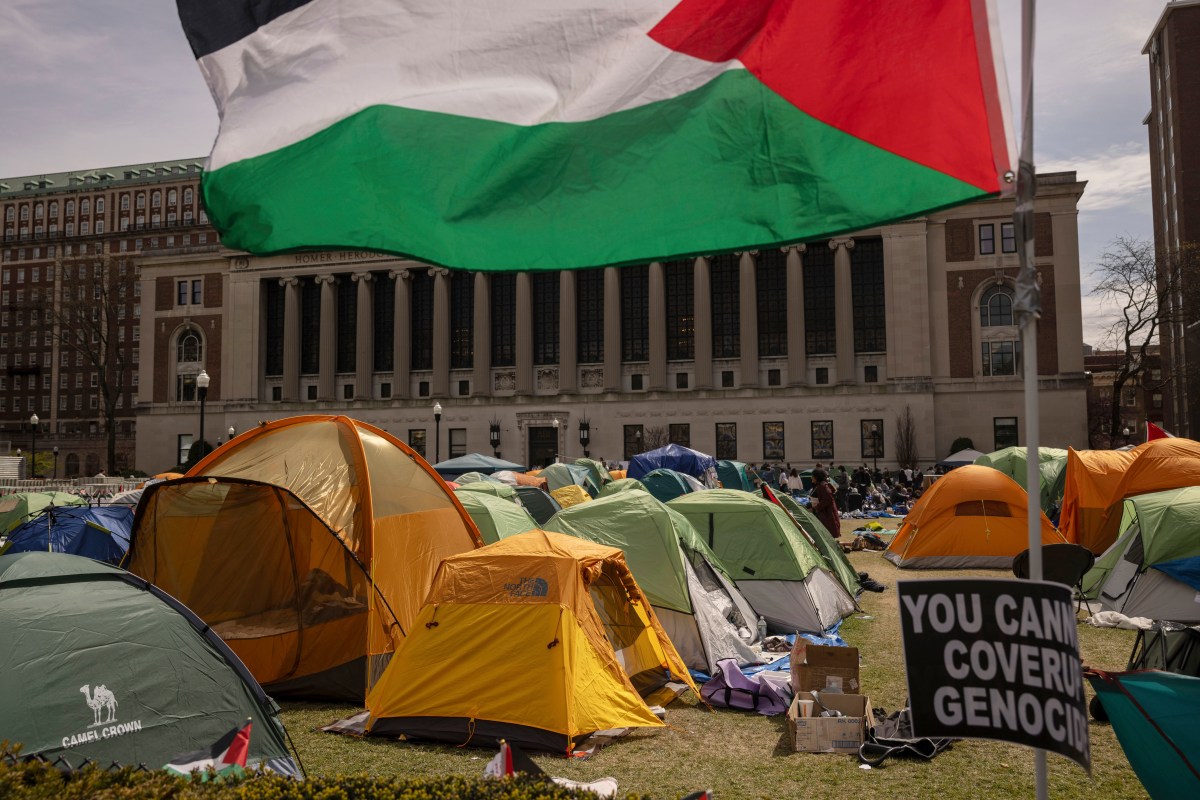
308, 544
972, 517
1158, 465
1091, 478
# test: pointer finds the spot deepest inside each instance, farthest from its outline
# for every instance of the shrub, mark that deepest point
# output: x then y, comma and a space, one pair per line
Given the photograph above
961, 443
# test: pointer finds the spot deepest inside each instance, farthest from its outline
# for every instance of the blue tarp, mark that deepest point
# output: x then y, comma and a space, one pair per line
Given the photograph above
100, 532
1184, 570
474, 462
673, 456
831, 639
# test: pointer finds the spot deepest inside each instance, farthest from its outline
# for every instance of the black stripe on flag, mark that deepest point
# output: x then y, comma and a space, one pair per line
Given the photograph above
211, 25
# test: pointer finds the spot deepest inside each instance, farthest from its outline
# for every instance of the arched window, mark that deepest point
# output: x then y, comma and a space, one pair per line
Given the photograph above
187, 196
85, 206
189, 361
70, 207
189, 347
171, 197
141, 200
995, 307
72, 465
156, 199
54, 208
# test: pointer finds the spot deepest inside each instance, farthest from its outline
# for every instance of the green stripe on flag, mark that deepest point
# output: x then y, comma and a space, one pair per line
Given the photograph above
728, 166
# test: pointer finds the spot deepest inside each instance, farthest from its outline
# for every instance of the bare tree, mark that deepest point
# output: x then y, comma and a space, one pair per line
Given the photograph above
906, 439
1133, 279
655, 437
89, 316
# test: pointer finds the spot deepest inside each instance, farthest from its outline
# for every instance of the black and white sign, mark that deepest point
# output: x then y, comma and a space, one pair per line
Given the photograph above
995, 659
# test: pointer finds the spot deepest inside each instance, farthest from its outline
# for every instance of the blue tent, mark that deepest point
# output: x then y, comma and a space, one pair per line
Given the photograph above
674, 457
97, 532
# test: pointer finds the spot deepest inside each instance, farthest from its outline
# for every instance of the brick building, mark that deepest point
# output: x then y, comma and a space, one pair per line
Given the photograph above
1140, 399
1174, 130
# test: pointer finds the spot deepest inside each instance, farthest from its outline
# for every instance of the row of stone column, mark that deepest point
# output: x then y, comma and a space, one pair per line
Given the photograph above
567, 366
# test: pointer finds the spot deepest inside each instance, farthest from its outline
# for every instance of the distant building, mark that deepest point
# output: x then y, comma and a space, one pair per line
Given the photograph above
60, 232
1140, 400
1174, 129
798, 354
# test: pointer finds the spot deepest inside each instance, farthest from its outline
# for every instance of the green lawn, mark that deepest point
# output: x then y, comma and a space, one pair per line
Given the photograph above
742, 755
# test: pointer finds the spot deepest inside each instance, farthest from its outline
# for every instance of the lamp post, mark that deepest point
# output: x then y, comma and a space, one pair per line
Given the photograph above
1126, 431
494, 437
202, 381
875, 437
33, 426
437, 432
232, 433
557, 424
585, 435
55, 462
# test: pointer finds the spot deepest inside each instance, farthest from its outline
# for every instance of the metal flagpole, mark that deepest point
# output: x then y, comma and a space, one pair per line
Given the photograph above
1028, 307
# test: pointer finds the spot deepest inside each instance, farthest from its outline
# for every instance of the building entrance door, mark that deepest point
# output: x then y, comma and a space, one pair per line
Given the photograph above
543, 447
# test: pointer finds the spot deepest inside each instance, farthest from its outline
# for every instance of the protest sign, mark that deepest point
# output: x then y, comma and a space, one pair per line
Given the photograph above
995, 659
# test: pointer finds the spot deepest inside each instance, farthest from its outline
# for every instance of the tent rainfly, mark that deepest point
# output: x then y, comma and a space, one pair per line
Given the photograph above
496, 517
99, 532
1090, 478
1012, 462
473, 462
676, 457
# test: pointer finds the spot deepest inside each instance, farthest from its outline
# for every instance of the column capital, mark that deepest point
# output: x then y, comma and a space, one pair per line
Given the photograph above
400, 274
292, 281
841, 241
361, 276
797, 248
436, 271
325, 279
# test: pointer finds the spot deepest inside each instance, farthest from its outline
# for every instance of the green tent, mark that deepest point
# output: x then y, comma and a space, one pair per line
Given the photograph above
1052, 465
622, 485
561, 475
496, 517
1153, 569
99, 664
18, 507
494, 488
695, 600
598, 471
667, 484
835, 559
734, 475
475, 477
778, 570
538, 502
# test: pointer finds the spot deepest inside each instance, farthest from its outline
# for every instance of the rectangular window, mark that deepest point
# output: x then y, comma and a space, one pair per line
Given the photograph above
633, 441
866, 290
773, 377
1008, 238
822, 439
681, 319
312, 392
273, 302
725, 280
726, 379
385, 390
820, 323
276, 394
345, 324
197, 292
347, 391
385, 322
870, 374
184, 446
182, 293
871, 436
458, 442
987, 239
421, 328
416, 440
680, 434
635, 319
681, 380
822, 376
504, 319
727, 440
1001, 358
771, 283
464, 388
589, 316
637, 381
545, 317
1004, 430
462, 319
773, 449
422, 388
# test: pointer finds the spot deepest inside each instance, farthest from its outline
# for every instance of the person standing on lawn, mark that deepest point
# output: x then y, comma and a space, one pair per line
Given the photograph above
824, 504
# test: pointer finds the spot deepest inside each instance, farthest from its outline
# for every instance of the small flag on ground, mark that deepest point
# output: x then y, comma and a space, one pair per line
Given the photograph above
227, 756
558, 134
512, 761
1154, 432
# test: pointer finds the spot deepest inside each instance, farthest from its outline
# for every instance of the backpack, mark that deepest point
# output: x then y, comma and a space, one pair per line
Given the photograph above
729, 688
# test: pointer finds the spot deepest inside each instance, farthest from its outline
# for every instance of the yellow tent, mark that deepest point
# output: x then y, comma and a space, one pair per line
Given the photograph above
308, 544
972, 517
568, 496
540, 639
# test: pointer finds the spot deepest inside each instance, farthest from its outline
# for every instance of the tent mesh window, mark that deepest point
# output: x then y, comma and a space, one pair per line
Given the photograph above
983, 508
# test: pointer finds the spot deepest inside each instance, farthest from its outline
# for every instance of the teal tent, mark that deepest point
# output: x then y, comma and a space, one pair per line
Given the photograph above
1154, 716
559, 476
598, 471
538, 502
99, 664
734, 475
496, 517
474, 462
697, 603
667, 484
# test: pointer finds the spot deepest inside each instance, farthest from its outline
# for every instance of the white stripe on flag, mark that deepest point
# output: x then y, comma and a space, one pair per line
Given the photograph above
523, 62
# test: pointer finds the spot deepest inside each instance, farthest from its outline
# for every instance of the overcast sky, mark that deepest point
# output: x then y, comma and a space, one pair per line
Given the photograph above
97, 83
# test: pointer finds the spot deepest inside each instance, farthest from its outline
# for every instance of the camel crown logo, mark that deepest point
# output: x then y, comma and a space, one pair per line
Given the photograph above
103, 704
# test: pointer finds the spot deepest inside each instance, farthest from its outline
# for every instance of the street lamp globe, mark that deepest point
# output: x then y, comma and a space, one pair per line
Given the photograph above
437, 432
33, 426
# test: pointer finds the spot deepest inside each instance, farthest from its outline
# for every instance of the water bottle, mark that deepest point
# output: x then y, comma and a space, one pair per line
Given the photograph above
762, 629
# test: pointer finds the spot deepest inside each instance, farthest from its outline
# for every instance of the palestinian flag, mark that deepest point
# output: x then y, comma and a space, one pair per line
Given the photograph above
227, 756
551, 134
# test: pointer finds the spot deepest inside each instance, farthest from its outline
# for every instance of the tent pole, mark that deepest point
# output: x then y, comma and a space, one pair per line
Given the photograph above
1028, 308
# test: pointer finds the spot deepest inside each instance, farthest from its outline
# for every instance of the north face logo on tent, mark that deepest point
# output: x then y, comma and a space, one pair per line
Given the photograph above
528, 587
100, 701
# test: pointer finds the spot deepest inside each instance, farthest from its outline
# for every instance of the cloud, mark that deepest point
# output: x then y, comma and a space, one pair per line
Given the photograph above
1117, 177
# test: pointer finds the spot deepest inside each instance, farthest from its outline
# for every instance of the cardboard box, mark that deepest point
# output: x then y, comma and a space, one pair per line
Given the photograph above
816, 667
817, 734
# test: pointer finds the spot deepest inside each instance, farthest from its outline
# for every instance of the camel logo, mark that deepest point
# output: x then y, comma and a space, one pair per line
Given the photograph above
528, 587
101, 702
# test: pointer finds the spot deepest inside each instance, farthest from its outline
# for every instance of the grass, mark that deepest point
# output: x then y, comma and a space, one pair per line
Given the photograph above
743, 755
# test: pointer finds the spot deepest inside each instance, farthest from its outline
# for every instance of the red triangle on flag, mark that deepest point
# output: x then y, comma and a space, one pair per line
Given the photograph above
1154, 432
